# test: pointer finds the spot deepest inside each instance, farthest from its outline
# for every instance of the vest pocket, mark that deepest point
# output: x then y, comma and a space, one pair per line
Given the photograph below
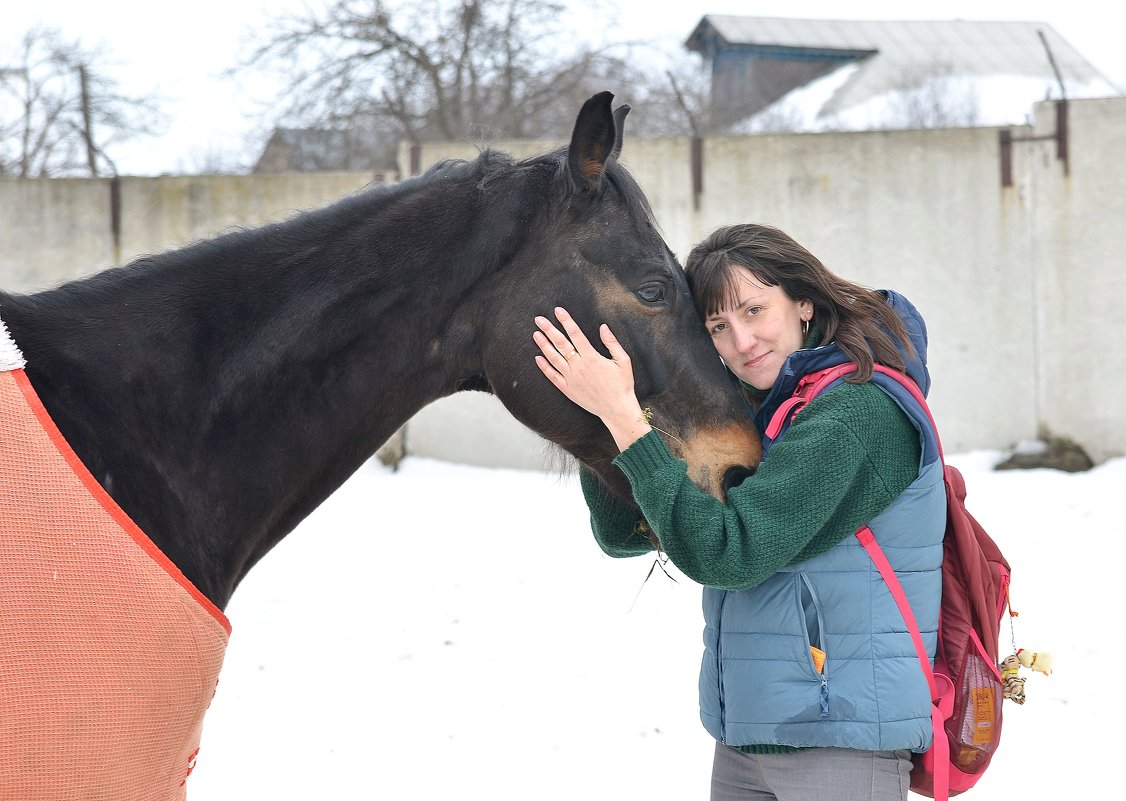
818, 658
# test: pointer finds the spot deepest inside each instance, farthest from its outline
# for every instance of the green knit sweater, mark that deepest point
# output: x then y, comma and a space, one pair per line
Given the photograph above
845, 458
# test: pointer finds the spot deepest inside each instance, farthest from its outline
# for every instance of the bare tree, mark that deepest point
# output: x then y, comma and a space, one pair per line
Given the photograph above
60, 112
676, 99
936, 99
440, 70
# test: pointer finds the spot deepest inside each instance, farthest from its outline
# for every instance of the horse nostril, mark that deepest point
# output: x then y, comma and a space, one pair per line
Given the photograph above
734, 477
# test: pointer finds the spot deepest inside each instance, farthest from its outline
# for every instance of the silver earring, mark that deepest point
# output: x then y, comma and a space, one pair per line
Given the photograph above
805, 328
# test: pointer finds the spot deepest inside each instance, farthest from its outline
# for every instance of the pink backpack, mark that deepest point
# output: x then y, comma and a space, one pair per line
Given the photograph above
965, 682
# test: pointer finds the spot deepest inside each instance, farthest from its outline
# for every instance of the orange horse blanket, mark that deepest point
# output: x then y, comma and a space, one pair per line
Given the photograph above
109, 656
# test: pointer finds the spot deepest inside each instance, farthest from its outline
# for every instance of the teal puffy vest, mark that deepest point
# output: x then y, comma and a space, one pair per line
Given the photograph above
758, 681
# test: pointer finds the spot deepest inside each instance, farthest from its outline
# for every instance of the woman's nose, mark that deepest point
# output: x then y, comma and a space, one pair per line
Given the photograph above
744, 340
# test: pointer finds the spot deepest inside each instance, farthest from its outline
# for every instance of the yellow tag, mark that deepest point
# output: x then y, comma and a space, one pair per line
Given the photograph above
818, 658
983, 701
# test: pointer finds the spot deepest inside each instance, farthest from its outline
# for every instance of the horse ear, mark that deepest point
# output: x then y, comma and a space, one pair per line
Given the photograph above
592, 142
619, 129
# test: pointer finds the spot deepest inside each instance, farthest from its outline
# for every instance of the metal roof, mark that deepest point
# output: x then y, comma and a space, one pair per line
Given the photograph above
894, 53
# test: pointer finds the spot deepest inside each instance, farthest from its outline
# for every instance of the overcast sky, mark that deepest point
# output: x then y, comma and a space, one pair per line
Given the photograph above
182, 50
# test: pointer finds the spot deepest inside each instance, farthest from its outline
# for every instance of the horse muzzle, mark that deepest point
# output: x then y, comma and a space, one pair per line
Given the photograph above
721, 458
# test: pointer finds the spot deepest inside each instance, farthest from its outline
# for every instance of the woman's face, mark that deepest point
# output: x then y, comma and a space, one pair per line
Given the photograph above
759, 329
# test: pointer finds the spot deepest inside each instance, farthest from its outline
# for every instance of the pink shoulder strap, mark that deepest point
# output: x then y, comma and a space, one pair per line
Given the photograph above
813, 384
808, 388
941, 688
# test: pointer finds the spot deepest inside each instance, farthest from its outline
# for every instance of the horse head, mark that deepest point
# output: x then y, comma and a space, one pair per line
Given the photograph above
600, 256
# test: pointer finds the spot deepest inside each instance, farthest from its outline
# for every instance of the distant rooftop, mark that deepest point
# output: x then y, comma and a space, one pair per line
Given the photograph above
773, 56
313, 149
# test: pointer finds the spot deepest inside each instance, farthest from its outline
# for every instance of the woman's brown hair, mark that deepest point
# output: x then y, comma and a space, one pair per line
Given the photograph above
857, 318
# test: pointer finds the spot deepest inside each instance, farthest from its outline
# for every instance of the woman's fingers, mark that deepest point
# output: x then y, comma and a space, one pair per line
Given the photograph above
553, 362
559, 348
553, 374
552, 353
617, 352
575, 334
551, 338
563, 345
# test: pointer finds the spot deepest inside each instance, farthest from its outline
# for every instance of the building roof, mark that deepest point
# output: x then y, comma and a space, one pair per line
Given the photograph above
312, 149
890, 54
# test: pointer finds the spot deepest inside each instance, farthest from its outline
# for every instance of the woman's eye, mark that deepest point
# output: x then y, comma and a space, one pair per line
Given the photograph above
651, 294
717, 329
753, 310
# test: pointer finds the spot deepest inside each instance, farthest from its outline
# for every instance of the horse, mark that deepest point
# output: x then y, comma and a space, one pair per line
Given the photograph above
219, 392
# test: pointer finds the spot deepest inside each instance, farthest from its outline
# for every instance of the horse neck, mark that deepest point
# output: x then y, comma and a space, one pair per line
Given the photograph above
221, 392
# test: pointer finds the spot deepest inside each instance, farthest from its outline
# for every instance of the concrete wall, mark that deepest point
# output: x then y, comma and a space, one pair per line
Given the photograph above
1021, 286
1078, 270
55, 230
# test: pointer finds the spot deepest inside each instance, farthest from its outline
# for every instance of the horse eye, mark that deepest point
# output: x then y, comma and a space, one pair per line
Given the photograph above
652, 294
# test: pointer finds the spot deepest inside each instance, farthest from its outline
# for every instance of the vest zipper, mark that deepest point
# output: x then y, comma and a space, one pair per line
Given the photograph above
815, 636
719, 670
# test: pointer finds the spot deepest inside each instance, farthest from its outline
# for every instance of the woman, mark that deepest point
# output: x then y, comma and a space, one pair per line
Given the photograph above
809, 682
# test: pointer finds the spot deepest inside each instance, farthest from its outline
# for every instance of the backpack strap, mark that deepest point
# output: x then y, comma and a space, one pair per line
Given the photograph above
917, 394
941, 688
809, 387
887, 573
813, 384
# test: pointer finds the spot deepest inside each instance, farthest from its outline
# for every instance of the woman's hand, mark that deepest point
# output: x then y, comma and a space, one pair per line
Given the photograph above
604, 387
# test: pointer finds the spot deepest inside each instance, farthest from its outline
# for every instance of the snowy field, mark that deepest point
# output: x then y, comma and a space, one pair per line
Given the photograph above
446, 631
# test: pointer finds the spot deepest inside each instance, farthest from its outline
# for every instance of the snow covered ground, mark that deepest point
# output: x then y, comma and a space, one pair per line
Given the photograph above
446, 631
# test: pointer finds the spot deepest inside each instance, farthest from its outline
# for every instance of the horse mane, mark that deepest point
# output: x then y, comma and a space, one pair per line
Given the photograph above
282, 241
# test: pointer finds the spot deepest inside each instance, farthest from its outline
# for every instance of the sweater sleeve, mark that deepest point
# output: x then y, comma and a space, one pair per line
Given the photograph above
845, 458
619, 529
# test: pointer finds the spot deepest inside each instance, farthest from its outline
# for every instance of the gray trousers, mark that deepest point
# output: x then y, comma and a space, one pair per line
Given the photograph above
816, 774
